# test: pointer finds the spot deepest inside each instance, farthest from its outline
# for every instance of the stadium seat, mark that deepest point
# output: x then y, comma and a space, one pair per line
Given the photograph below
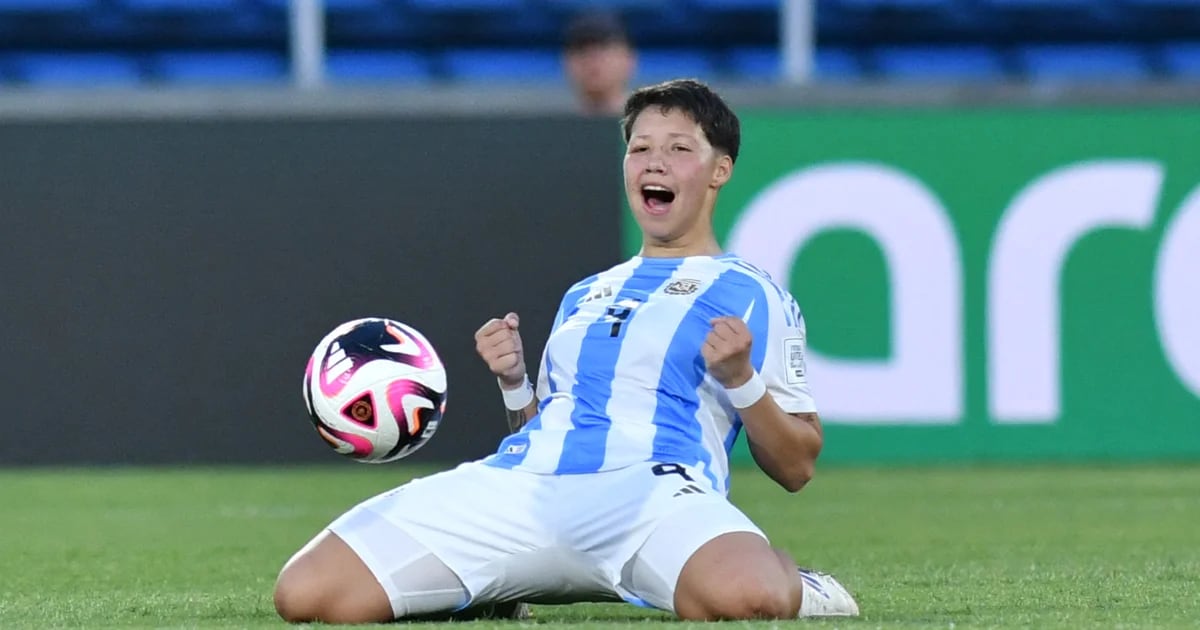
73, 69
190, 7
503, 65
518, 40
656, 65
468, 6
339, 7
572, 6
737, 5
933, 63
1044, 5
1181, 60
392, 66
190, 23
1051, 20
765, 64
899, 5
44, 7
1165, 4
1096, 62
753, 64
1173, 18
218, 67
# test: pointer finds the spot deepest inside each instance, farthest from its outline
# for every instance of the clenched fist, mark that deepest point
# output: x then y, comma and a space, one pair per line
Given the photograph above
499, 344
726, 351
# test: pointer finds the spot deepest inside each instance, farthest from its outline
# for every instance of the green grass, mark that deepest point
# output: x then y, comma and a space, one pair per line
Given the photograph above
1069, 547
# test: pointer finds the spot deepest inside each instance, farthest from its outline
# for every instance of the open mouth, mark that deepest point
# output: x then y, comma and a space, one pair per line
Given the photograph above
657, 199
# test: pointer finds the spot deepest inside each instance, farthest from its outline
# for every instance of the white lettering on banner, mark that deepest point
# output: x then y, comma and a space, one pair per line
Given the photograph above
922, 382
1029, 249
1177, 292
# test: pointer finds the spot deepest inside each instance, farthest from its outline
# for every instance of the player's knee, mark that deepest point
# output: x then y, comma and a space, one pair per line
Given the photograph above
777, 602
746, 599
296, 599
303, 599
763, 599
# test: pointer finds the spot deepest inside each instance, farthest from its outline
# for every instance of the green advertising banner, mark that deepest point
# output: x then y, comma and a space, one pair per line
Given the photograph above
984, 285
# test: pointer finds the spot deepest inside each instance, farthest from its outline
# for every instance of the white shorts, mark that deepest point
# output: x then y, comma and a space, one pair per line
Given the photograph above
512, 535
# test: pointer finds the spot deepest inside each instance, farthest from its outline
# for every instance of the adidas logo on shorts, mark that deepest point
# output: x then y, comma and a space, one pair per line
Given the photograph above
691, 488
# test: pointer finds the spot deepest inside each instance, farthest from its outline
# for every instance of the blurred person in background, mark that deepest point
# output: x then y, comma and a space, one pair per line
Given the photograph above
599, 60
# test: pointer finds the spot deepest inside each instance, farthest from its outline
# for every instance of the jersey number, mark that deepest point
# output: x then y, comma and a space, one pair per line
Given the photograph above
661, 470
617, 315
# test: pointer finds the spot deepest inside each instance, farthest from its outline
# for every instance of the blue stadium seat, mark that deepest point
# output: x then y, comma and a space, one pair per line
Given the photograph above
73, 69
765, 64
1181, 18
190, 7
572, 6
1165, 4
737, 5
218, 67
339, 7
371, 23
1089, 62
468, 6
1101, 61
503, 65
1044, 5
1182, 59
522, 27
656, 65
900, 5
42, 7
392, 66
936, 63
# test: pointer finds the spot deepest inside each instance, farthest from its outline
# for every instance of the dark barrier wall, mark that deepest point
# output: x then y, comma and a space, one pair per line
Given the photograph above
164, 281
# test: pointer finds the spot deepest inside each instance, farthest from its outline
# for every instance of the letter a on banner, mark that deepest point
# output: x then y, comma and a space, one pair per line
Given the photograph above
922, 382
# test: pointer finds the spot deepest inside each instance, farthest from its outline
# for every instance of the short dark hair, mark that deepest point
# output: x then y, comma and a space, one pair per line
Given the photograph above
594, 29
718, 122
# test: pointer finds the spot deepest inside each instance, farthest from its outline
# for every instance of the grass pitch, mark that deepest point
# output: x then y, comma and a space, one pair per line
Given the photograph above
997, 547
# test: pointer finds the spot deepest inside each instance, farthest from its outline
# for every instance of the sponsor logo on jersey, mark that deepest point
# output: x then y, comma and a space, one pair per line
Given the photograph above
682, 287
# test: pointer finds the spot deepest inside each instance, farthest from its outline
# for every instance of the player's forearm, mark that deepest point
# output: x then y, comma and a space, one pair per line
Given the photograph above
518, 417
784, 445
520, 403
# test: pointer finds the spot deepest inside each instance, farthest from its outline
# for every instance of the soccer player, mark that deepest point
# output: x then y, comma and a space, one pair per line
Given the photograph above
614, 485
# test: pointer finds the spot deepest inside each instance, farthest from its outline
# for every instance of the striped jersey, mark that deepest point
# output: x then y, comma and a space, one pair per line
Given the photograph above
622, 379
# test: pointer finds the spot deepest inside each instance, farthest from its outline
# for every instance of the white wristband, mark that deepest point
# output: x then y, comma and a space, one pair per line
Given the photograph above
519, 398
747, 393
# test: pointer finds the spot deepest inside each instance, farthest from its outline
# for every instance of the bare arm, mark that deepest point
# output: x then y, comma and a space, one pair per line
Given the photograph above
517, 418
784, 445
498, 343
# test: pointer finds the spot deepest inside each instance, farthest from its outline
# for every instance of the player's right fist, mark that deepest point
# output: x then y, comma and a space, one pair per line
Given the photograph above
499, 345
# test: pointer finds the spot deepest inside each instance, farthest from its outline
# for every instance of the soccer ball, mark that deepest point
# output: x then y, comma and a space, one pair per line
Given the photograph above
375, 390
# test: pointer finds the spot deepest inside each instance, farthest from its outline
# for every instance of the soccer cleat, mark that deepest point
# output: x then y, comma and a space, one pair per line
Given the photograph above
503, 610
824, 596
512, 610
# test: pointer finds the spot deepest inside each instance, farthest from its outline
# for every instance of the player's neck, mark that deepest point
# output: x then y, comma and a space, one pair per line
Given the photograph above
707, 246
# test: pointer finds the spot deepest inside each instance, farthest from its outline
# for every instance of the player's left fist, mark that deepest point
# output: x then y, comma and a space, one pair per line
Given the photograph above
726, 351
